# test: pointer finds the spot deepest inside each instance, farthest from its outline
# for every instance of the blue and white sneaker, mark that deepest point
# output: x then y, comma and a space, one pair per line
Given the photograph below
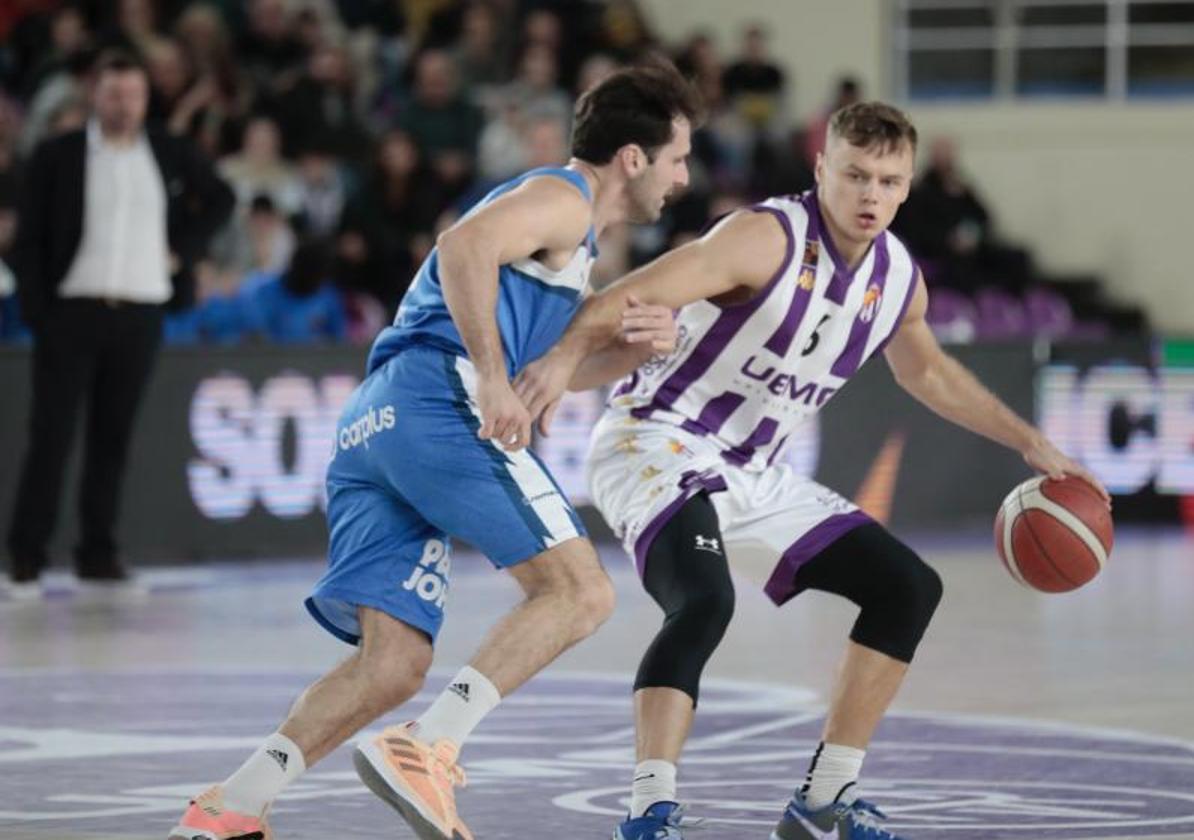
857, 820
660, 822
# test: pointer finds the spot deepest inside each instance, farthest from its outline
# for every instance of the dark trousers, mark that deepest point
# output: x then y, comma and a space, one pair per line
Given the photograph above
91, 360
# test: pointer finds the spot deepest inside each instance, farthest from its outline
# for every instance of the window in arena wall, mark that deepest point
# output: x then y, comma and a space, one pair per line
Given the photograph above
983, 49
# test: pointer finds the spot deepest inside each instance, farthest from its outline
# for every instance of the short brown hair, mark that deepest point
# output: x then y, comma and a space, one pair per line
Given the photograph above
116, 60
635, 105
873, 124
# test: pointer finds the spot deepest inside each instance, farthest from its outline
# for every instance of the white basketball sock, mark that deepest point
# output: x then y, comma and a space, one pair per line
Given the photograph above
469, 697
654, 781
832, 775
275, 764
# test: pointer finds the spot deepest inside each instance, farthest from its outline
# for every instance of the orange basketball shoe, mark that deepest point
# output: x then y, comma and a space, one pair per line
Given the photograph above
416, 779
208, 819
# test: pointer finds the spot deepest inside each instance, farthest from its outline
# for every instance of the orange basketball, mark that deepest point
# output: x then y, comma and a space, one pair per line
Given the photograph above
1053, 535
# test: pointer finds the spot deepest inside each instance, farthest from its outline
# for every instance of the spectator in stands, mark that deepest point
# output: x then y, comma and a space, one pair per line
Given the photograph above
723, 145
271, 54
534, 90
66, 85
847, 91
323, 189
322, 103
594, 70
949, 228
500, 152
545, 141
259, 168
698, 61
26, 37
316, 26
301, 305
754, 83
400, 199
69, 37
778, 167
111, 220
189, 103
443, 123
259, 239
482, 54
133, 26
624, 30
201, 31
221, 314
532, 97
543, 27
176, 97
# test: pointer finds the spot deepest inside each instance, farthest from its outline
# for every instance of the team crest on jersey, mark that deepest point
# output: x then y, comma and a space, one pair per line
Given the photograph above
870, 302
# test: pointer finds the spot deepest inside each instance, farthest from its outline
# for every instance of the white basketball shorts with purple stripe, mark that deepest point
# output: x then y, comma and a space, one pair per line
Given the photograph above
772, 521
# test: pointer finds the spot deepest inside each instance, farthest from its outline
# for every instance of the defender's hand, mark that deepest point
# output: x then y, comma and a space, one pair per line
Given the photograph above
503, 417
541, 384
1044, 457
643, 323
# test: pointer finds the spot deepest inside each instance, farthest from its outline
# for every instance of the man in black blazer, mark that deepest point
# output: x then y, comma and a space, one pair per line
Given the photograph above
111, 220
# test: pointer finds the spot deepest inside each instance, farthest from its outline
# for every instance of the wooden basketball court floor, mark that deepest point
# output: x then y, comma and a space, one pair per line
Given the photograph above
1024, 715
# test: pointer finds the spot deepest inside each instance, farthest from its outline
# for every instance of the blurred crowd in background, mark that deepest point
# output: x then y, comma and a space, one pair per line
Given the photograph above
353, 131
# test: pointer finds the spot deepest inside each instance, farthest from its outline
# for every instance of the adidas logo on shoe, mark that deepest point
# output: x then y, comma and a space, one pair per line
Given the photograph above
280, 757
460, 689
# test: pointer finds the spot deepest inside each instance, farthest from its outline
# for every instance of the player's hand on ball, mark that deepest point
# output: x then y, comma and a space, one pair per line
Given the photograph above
540, 385
1044, 457
503, 416
643, 323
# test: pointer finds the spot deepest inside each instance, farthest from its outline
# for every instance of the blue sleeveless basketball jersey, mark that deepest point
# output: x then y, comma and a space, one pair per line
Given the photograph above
408, 471
534, 304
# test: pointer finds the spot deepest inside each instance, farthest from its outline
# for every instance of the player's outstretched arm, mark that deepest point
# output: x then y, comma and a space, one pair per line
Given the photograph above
939, 381
743, 251
543, 214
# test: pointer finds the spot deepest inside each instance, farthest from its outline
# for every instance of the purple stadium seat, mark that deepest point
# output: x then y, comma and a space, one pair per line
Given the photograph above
1000, 315
951, 316
1049, 314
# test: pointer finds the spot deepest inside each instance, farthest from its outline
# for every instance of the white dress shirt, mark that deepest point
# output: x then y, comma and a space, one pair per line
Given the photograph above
124, 254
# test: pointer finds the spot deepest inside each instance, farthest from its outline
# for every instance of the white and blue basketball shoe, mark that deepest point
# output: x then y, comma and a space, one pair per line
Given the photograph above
857, 820
660, 822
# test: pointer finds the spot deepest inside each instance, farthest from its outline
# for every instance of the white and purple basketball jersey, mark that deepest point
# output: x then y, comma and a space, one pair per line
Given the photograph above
745, 375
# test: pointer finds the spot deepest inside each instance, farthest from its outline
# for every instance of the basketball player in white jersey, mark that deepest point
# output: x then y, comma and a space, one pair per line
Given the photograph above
782, 303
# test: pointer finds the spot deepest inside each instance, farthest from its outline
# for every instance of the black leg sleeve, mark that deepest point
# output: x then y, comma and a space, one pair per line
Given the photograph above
688, 576
897, 591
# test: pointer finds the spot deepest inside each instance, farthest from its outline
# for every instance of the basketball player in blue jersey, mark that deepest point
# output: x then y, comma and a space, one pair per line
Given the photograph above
432, 445
782, 303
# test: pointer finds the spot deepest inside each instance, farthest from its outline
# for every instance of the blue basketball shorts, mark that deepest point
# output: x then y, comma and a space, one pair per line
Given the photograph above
408, 473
